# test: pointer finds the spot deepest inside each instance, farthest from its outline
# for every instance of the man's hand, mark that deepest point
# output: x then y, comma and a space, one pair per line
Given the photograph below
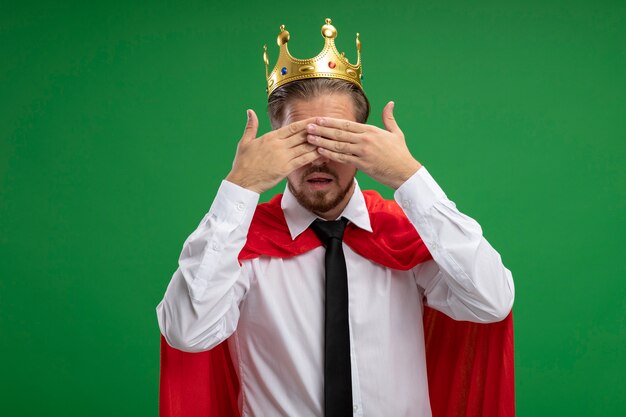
262, 163
380, 153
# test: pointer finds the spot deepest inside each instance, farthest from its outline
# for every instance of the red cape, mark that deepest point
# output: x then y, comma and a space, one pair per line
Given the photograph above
470, 365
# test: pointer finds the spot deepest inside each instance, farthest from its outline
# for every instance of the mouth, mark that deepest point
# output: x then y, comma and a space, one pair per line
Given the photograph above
319, 181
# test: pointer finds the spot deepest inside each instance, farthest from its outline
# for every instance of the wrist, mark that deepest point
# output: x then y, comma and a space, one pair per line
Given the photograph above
244, 182
407, 171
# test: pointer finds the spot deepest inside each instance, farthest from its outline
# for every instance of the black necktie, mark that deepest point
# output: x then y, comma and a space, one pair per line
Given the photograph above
337, 374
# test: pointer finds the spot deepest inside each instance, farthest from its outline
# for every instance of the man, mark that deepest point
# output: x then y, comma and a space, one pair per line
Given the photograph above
267, 282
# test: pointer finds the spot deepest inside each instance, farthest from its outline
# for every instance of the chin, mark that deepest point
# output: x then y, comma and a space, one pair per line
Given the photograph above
320, 202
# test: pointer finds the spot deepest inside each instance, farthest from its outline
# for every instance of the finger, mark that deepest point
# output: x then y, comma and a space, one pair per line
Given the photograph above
388, 119
302, 160
347, 125
292, 128
332, 133
301, 149
338, 157
333, 145
295, 140
252, 126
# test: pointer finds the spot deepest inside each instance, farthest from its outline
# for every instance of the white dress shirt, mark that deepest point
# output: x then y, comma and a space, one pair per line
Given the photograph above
272, 309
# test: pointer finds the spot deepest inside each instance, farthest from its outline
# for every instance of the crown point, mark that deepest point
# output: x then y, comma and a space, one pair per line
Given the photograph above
328, 21
328, 30
283, 36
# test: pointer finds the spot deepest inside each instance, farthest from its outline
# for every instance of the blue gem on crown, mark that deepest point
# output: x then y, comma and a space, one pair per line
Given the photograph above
283, 71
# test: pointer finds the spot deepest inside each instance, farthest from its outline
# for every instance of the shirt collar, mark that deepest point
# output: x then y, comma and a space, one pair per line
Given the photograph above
299, 219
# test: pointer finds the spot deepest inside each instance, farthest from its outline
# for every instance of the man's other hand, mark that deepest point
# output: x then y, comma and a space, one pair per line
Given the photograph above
380, 153
261, 163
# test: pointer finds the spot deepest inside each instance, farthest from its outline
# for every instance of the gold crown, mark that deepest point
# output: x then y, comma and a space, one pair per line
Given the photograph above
329, 63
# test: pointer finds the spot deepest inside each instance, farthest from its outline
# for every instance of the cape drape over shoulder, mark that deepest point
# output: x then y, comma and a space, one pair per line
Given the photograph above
470, 365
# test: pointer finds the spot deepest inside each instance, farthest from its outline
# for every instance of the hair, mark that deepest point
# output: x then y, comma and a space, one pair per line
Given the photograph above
311, 88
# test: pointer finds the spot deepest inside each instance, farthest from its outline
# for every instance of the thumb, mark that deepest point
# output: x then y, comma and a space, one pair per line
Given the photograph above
388, 119
252, 125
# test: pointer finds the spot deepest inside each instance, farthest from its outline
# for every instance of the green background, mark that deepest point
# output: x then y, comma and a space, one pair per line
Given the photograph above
118, 121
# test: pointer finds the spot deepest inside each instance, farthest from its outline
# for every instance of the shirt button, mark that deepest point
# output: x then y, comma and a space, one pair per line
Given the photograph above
215, 247
356, 408
240, 206
406, 203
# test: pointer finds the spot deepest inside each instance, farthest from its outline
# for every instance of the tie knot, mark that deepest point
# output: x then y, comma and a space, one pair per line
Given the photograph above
326, 230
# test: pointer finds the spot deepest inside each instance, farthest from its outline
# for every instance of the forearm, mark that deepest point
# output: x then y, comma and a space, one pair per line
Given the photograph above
470, 281
201, 304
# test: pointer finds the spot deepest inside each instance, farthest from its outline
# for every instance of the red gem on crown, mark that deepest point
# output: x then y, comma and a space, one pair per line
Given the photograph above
331, 65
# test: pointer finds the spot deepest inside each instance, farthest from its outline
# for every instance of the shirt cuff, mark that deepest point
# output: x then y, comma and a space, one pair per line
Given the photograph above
419, 193
233, 203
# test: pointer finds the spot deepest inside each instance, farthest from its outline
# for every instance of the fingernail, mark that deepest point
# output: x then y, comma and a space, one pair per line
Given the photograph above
320, 121
311, 127
248, 114
312, 138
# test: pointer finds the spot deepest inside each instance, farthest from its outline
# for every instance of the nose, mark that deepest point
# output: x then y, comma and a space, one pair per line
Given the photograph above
322, 160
